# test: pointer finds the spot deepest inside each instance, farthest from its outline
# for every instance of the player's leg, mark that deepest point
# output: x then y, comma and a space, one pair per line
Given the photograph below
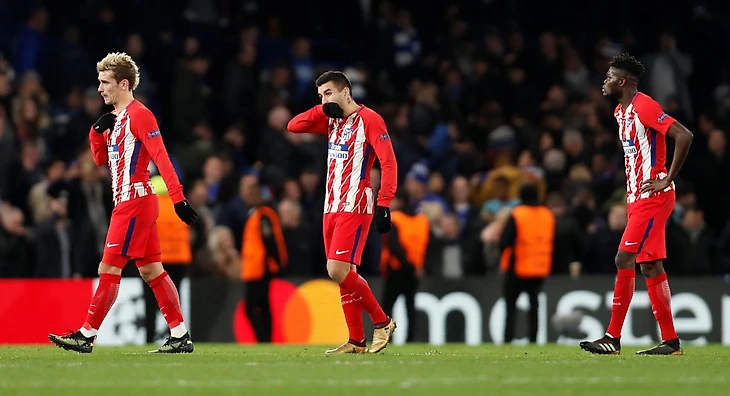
637, 230
345, 252
661, 304
351, 307
168, 301
177, 273
623, 293
650, 259
114, 259
149, 264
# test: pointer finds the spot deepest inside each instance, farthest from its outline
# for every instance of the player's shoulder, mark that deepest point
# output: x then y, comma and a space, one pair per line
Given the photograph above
643, 101
138, 110
369, 114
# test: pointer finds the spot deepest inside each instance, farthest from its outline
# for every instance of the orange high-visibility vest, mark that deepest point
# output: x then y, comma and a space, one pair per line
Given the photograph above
174, 234
533, 249
413, 236
255, 261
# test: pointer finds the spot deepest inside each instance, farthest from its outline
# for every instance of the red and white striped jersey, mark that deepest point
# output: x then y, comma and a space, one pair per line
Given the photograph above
128, 148
642, 129
353, 144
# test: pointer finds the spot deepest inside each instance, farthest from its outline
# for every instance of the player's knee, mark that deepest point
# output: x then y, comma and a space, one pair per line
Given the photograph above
650, 270
150, 272
624, 260
337, 270
108, 269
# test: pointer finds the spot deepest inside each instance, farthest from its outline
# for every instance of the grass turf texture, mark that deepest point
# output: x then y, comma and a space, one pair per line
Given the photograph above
416, 369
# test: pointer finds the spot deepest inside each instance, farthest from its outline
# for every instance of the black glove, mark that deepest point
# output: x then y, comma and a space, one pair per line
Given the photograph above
186, 213
382, 219
333, 110
105, 122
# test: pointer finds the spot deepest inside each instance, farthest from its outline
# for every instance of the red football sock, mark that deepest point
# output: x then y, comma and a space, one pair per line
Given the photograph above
355, 283
353, 315
661, 303
104, 297
167, 299
623, 292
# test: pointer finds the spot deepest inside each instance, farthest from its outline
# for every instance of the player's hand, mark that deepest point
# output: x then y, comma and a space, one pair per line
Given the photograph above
382, 219
654, 186
105, 122
333, 110
186, 213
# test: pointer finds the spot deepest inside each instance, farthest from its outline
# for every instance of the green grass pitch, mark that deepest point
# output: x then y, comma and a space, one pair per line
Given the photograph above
418, 369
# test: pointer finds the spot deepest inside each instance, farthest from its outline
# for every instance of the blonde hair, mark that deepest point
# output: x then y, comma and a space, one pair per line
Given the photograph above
122, 66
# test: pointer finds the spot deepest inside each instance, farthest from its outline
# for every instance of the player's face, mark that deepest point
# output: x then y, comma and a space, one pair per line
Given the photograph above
613, 82
328, 92
108, 87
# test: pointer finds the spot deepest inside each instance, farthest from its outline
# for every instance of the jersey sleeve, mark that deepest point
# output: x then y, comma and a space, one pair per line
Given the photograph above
98, 147
379, 139
652, 116
311, 121
144, 127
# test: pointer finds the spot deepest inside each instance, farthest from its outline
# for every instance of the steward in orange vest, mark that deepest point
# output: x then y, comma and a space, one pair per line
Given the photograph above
177, 254
263, 257
403, 257
527, 243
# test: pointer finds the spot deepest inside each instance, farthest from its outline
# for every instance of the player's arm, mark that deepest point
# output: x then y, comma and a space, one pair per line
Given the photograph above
99, 149
651, 115
683, 140
311, 121
144, 127
97, 140
379, 139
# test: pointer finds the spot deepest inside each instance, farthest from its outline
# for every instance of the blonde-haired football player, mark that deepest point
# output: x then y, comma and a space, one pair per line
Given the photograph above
127, 139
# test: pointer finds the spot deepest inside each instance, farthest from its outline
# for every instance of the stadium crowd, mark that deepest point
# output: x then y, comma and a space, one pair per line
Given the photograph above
477, 99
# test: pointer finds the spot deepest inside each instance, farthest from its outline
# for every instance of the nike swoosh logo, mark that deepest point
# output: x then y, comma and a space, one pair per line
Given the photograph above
341, 251
627, 243
109, 245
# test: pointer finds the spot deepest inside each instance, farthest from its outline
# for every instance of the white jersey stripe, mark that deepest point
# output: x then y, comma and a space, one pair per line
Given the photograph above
128, 141
114, 170
369, 196
357, 166
331, 171
642, 135
339, 170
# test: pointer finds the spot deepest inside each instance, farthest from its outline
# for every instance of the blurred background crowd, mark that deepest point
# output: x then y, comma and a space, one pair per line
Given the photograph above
478, 97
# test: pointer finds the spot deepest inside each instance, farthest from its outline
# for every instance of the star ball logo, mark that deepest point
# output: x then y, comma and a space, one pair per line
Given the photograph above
310, 313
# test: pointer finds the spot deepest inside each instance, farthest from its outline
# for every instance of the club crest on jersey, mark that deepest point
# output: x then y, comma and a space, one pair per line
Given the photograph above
117, 127
113, 151
347, 133
338, 151
629, 147
629, 122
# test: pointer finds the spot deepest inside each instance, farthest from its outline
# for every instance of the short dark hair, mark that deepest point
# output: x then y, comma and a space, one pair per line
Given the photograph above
337, 77
626, 62
528, 192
